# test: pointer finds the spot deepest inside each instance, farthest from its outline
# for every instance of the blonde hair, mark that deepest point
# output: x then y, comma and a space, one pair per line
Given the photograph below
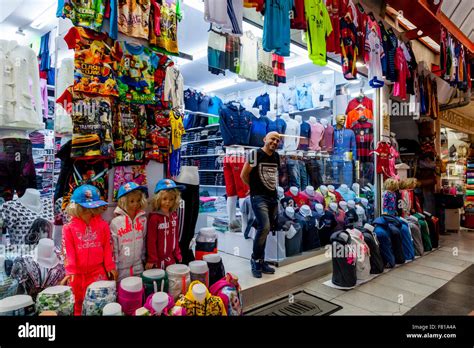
390, 185
412, 183
74, 209
405, 184
123, 201
156, 199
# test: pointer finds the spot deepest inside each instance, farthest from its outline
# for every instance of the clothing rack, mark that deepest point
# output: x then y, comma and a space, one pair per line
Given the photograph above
200, 113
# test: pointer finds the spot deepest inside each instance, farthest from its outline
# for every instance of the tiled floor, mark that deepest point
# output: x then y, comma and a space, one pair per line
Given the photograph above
402, 289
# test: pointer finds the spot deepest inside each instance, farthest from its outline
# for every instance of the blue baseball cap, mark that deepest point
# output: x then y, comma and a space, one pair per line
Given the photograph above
87, 196
167, 184
129, 187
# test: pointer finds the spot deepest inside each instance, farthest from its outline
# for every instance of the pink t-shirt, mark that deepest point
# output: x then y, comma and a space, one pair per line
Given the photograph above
317, 133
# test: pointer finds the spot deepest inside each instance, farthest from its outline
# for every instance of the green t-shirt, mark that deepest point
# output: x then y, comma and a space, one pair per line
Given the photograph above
319, 28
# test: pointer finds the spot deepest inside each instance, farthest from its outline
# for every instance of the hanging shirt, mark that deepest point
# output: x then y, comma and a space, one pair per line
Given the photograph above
174, 86
262, 102
367, 102
319, 27
401, 67
304, 99
386, 156
305, 135
93, 61
279, 72
177, 129
374, 54
390, 44
354, 115
248, 62
328, 139
167, 41
92, 123
317, 134
364, 133
158, 134
258, 130
134, 18
136, 67
160, 78
88, 14
333, 39
265, 65
191, 100
214, 107
349, 50
299, 17
216, 54
232, 53
276, 26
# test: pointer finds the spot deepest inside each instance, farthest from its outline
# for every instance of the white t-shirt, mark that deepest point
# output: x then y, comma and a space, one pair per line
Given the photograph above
282, 103
323, 87
248, 57
293, 130
215, 11
216, 41
374, 45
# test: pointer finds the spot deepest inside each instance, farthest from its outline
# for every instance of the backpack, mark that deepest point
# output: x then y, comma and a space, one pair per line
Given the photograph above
228, 289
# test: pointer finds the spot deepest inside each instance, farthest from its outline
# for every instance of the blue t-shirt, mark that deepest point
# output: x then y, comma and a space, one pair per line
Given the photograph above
304, 99
276, 26
214, 106
258, 130
191, 100
262, 102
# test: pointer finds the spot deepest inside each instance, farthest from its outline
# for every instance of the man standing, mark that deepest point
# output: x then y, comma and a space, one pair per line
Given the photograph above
260, 172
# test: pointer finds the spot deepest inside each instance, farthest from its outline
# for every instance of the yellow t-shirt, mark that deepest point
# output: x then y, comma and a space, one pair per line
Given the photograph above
177, 130
319, 28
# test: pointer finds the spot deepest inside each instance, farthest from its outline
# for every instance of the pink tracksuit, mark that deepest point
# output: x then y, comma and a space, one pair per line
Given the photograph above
88, 255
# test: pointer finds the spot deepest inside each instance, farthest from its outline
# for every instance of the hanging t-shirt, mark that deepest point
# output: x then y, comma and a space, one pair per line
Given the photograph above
160, 78
367, 102
216, 52
374, 48
248, 59
349, 50
265, 67
401, 67
134, 18
232, 53
305, 135
191, 99
258, 130
167, 41
262, 102
364, 133
18, 219
304, 97
136, 67
93, 61
87, 14
333, 40
124, 174
299, 19
214, 107
390, 44
177, 129
354, 115
174, 86
276, 26
328, 139
317, 134
319, 28
158, 135
92, 123
130, 132
384, 154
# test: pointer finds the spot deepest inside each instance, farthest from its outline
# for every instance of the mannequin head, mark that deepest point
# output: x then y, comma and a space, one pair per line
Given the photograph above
294, 190
340, 121
323, 189
133, 201
356, 188
365, 202
309, 190
351, 204
344, 188
313, 120
285, 116
298, 118
390, 185
319, 208
281, 192
305, 210
199, 292
290, 212
343, 205
331, 188
333, 207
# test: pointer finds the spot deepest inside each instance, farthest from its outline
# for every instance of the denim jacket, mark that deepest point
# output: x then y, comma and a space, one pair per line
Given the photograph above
235, 123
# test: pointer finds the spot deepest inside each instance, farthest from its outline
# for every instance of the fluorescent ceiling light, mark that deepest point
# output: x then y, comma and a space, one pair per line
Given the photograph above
221, 84
354, 82
328, 72
45, 18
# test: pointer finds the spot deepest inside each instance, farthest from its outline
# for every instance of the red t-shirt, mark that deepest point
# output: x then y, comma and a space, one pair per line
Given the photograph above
367, 102
386, 156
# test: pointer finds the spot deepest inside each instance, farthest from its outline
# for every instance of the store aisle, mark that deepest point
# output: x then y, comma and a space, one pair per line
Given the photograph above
400, 290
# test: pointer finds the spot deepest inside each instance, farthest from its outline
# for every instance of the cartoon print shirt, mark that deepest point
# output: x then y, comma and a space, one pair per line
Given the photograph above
87, 13
130, 130
134, 17
132, 173
93, 69
92, 123
158, 135
136, 69
177, 129
167, 41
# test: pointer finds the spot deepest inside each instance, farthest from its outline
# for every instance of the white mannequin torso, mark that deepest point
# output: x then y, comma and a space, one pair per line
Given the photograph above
159, 301
343, 205
199, 292
294, 190
305, 211
324, 122
333, 207
319, 208
290, 212
313, 120
298, 119
32, 200
188, 175
309, 190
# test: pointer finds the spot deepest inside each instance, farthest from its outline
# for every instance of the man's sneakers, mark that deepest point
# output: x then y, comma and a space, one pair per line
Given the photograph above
259, 267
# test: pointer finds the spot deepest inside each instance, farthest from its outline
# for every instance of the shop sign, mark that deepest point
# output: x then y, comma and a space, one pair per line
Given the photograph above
457, 121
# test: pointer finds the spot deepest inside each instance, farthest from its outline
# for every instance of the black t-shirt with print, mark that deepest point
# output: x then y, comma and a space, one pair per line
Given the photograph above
264, 173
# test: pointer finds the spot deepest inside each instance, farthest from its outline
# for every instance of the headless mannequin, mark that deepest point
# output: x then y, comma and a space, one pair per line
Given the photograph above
344, 188
281, 192
285, 117
356, 189
188, 175
32, 200
290, 212
294, 190
324, 190
319, 208
199, 292
312, 120
271, 115
343, 206
309, 191
305, 211
324, 122
351, 204
132, 284
365, 202
333, 208
299, 119
159, 301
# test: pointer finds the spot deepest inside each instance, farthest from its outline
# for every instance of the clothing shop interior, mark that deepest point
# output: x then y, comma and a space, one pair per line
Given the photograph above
190, 158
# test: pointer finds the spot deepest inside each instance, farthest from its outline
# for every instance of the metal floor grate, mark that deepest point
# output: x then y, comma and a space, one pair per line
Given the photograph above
301, 304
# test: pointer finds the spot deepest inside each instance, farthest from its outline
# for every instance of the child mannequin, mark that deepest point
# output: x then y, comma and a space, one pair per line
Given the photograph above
128, 230
389, 201
405, 202
162, 231
87, 242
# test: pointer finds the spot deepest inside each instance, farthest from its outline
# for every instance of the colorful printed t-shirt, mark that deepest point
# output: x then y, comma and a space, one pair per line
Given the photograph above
319, 27
364, 132
130, 130
354, 115
133, 173
136, 73
168, 38
177, 129
92, 123
134, 17
89, 14
159, 133
93, 52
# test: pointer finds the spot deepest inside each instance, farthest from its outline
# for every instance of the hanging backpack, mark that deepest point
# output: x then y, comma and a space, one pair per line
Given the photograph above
376, 261
228, 289
344, 272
